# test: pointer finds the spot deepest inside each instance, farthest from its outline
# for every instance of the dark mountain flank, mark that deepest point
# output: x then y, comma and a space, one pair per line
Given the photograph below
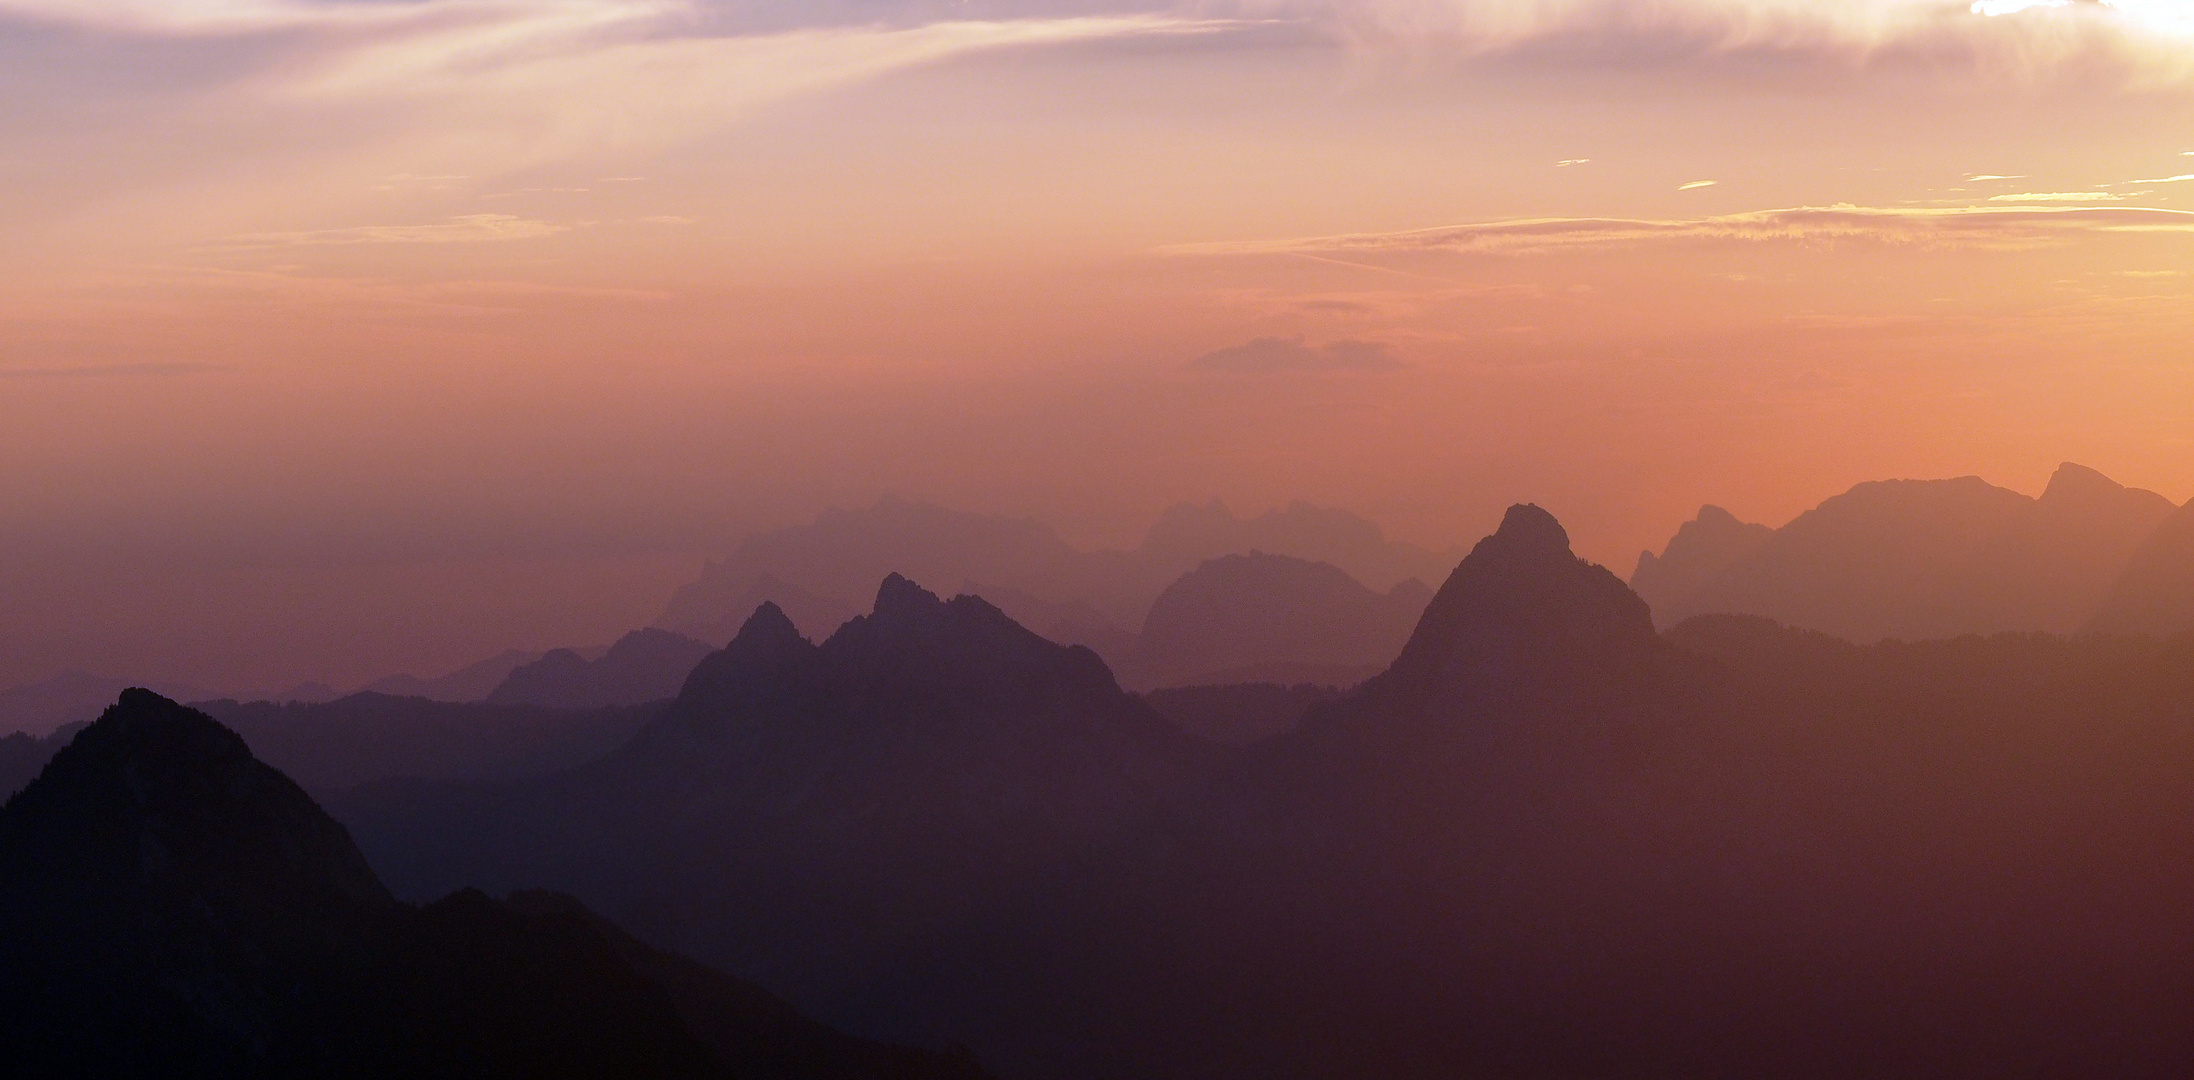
1913, 559
1545, 842
169, 906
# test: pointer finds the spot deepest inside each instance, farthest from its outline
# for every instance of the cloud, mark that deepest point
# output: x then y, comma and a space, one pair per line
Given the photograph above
2057, 196
1996, 227
1990, 176
2146, 39
2179, 179
147, 369
1697, 184
1271, 356
463, 229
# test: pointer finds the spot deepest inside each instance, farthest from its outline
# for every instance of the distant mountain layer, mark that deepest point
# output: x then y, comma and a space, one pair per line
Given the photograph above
806, 570
171, 907
1259, 617
472, 682
38, 709
1545, 841
643, 666
1913, 559
2155, 594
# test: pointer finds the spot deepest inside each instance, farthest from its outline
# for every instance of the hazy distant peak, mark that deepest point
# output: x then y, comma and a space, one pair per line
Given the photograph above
2073, 480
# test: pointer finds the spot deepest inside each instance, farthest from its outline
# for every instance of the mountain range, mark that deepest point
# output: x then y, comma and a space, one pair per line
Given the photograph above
643, 666
171, 907
1545, 841
1916, 560
844, 552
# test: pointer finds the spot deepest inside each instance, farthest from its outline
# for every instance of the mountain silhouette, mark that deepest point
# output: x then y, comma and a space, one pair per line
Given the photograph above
173, 907
824, 817
472, 682
713, 608
1913, 559
643, 666
1545, 842
1034, 571
2155, 593
1259, 617
1195, 533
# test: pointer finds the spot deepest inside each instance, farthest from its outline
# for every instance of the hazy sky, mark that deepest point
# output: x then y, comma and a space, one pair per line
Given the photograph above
344, 336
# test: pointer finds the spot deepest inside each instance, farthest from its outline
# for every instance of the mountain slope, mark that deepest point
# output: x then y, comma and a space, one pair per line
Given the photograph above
2155, 594
171, 907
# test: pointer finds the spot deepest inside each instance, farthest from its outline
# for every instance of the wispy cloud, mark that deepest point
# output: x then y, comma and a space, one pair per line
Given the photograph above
2179, 179
1272, 356
2147, 38
2058, 197
1697, 184
464, 229
2006, 227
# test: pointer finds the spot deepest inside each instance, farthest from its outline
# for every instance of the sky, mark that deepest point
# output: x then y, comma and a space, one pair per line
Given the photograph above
343, 337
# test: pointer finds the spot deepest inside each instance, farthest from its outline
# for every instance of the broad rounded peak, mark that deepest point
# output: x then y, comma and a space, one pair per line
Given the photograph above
1528, 527
1711, 514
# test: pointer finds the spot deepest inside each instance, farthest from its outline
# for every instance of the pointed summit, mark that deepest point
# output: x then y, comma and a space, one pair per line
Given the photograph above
899, 598
2079, 483
1522, 611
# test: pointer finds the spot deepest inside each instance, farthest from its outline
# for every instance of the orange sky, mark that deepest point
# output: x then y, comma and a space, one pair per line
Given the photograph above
346, 336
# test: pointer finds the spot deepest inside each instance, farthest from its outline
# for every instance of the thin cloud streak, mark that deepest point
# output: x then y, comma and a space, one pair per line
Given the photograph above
1997, 227
464, 229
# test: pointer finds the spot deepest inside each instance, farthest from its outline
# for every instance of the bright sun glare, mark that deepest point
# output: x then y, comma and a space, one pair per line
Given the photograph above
2172, 16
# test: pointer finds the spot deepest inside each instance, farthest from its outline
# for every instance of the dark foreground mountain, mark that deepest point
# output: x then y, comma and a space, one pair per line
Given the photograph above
643, 666
1546, 842
1239, 713
1913, 559
171, 907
